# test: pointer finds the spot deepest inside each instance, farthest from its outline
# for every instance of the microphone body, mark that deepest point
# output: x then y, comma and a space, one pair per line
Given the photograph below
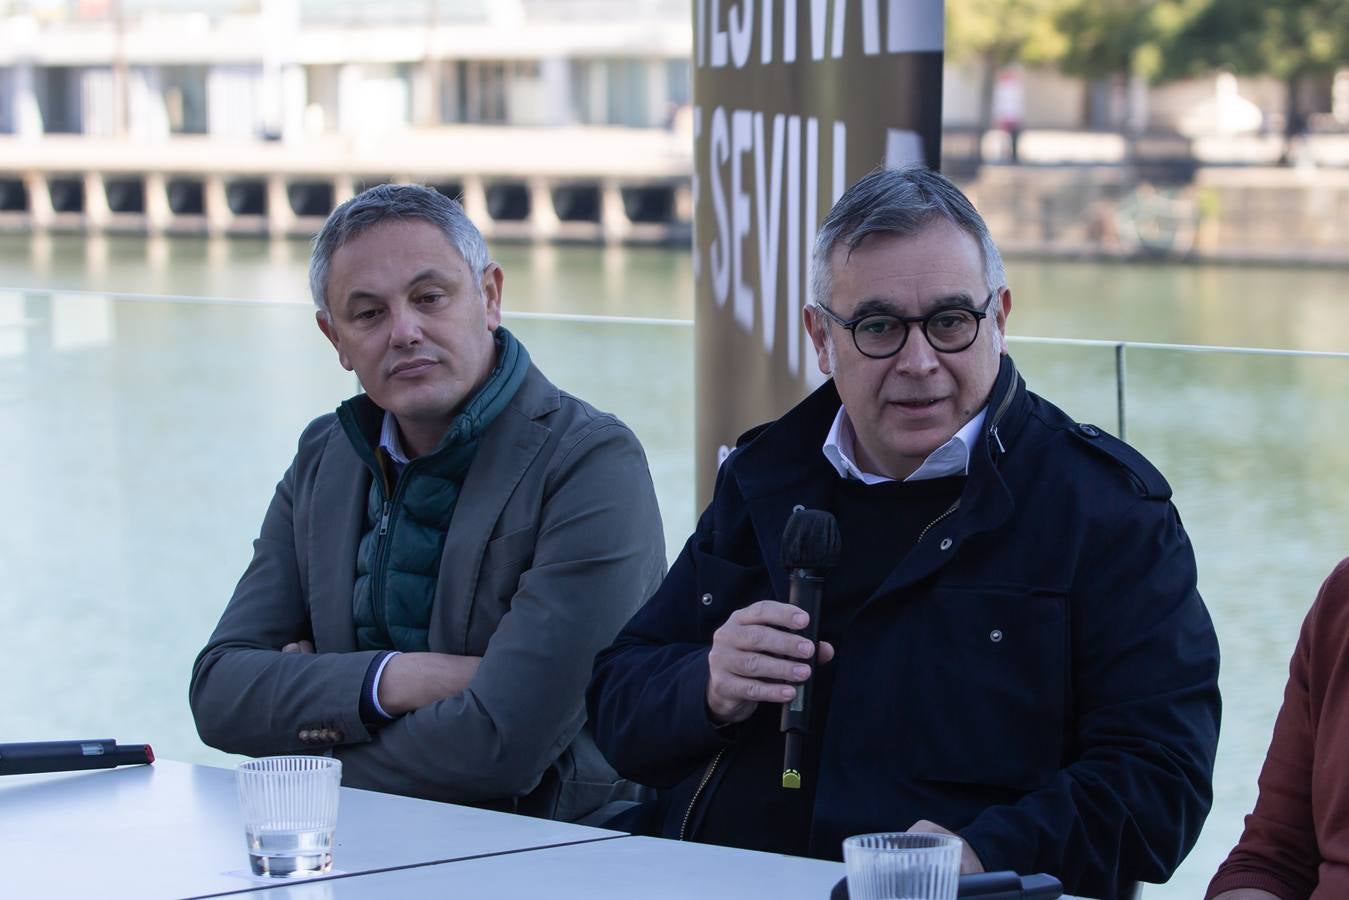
810, 545
70, 756
806, 589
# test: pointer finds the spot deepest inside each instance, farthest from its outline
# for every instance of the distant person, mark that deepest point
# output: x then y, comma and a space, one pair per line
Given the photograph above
447, 551
1296, 842
1012, 645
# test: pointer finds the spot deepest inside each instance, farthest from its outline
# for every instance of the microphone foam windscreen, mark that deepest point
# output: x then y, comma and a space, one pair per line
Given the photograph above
811, 540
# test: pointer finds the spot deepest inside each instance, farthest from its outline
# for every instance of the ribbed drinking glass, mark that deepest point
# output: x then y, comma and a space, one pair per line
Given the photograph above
289, 806
902, 866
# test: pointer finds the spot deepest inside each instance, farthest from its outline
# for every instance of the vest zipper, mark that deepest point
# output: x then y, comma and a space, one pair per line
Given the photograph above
693, 801
381, 560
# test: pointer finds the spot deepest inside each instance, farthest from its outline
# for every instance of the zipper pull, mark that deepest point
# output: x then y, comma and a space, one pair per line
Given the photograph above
384, 520
1001, 448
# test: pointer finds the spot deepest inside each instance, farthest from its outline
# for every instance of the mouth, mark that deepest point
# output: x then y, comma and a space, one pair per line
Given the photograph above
917, 403
410, 367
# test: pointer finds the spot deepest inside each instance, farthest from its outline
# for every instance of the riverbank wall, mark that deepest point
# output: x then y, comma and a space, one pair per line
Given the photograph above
624, 186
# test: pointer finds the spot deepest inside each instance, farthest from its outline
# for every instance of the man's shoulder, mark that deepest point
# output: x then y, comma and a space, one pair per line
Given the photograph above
1091, 448
570, 419
317, 434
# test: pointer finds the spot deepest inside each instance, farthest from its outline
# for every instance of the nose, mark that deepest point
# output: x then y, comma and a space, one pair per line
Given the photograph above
405, 326
916, 357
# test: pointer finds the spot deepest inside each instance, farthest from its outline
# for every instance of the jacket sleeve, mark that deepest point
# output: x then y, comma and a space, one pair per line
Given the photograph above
647, 697
600, 551
247, 696
1144, 727
1278, 851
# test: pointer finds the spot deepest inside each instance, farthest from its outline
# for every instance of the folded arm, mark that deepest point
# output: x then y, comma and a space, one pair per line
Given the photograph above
599, 551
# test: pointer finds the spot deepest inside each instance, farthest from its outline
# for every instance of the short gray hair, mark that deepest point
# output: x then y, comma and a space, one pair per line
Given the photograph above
899, 202
393, 203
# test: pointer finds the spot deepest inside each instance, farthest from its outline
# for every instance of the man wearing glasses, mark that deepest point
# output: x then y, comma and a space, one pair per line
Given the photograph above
1011, 646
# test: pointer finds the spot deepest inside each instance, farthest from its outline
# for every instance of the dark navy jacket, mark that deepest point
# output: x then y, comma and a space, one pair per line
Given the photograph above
1038, 674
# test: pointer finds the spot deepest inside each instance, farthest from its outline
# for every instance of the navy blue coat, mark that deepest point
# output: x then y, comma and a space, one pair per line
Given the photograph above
1039, 674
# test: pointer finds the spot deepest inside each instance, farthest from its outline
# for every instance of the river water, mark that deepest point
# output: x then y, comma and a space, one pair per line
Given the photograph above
143, 433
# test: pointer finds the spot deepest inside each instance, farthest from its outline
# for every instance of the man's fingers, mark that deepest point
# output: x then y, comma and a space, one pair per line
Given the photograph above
970, 864
735, 689
767, 668
826, 652
773, 613
774, 641
298, 647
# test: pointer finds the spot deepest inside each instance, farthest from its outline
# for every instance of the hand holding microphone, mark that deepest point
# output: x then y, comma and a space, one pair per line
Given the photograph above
759, 656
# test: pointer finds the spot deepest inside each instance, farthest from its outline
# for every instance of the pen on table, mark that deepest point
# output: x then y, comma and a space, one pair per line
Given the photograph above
70, 756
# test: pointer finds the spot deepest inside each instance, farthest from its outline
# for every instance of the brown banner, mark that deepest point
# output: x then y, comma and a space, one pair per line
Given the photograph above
794, 101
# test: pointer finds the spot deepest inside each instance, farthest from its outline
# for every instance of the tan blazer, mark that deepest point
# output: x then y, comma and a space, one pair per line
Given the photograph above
555, 541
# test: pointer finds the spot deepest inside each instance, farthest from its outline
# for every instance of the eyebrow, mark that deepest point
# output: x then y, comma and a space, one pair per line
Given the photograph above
431, 274
875, 305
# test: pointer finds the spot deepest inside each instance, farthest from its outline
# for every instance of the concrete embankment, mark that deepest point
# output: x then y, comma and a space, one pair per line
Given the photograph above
1239, 214
633, 186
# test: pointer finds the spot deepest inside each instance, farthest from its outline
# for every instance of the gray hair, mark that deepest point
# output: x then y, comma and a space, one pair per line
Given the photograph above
396, 203
900, 202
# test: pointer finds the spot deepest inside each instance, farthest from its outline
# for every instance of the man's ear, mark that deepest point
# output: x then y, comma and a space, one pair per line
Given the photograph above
492, 280
325, 324
817, 326
1002, 308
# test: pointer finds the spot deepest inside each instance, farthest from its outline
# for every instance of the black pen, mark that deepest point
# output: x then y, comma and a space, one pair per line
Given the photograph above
70, 756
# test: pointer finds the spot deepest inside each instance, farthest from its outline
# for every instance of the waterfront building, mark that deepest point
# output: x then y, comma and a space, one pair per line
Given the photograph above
572, 120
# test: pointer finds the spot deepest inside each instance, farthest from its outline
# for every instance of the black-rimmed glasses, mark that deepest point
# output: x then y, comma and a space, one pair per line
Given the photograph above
881, 335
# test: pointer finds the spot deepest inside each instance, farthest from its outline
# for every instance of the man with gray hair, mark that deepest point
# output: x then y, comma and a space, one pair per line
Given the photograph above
447, 551
1011, 647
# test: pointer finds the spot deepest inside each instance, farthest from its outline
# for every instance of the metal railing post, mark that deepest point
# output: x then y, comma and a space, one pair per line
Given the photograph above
1119, 386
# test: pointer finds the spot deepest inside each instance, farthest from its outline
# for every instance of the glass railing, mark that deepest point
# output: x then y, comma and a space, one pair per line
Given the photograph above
144, 436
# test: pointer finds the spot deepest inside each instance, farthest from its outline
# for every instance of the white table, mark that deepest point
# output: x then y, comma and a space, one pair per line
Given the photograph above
621, 869
173, 830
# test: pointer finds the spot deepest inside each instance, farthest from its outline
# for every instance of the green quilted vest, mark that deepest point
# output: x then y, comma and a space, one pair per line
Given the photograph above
398, 560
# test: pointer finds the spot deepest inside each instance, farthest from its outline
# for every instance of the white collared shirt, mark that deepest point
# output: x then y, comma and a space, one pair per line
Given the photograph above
951, 458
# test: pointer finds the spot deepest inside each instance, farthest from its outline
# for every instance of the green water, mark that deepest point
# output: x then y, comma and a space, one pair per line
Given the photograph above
143, 438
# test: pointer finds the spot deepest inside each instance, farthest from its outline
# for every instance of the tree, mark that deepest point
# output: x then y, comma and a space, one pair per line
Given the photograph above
1289, 39
998, 33
1121, 39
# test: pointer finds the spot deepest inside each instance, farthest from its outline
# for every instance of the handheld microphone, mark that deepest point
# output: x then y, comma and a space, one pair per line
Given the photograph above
70, 756
810, 545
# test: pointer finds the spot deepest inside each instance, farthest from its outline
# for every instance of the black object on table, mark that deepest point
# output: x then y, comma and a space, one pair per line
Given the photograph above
990, 886
70, 756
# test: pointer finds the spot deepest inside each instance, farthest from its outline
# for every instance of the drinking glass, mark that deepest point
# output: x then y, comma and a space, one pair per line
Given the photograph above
289, 806
902, 866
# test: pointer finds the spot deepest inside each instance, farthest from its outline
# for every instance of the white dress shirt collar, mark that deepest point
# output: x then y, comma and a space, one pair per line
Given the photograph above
951, 458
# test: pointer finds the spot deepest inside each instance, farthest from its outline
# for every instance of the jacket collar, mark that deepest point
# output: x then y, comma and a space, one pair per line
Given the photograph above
782, 466
507, 448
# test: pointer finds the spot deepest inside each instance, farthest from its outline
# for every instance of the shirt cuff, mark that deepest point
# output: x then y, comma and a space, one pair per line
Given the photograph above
371, 712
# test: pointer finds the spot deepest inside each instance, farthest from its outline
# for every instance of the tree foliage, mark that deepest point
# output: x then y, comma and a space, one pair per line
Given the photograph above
1122, 37
1001, 32
1284, 38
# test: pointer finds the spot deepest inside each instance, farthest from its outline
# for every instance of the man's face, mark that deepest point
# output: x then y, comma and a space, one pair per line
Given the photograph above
904, 407
413, 322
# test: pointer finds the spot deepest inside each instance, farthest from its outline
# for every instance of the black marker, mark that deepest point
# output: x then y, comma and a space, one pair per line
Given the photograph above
71, 756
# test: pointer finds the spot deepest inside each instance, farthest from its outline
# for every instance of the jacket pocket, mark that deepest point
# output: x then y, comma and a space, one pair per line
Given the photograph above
724, 587
515, 547
989, 687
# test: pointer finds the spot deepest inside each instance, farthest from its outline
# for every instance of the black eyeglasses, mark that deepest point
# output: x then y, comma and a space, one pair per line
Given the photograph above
881, 335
